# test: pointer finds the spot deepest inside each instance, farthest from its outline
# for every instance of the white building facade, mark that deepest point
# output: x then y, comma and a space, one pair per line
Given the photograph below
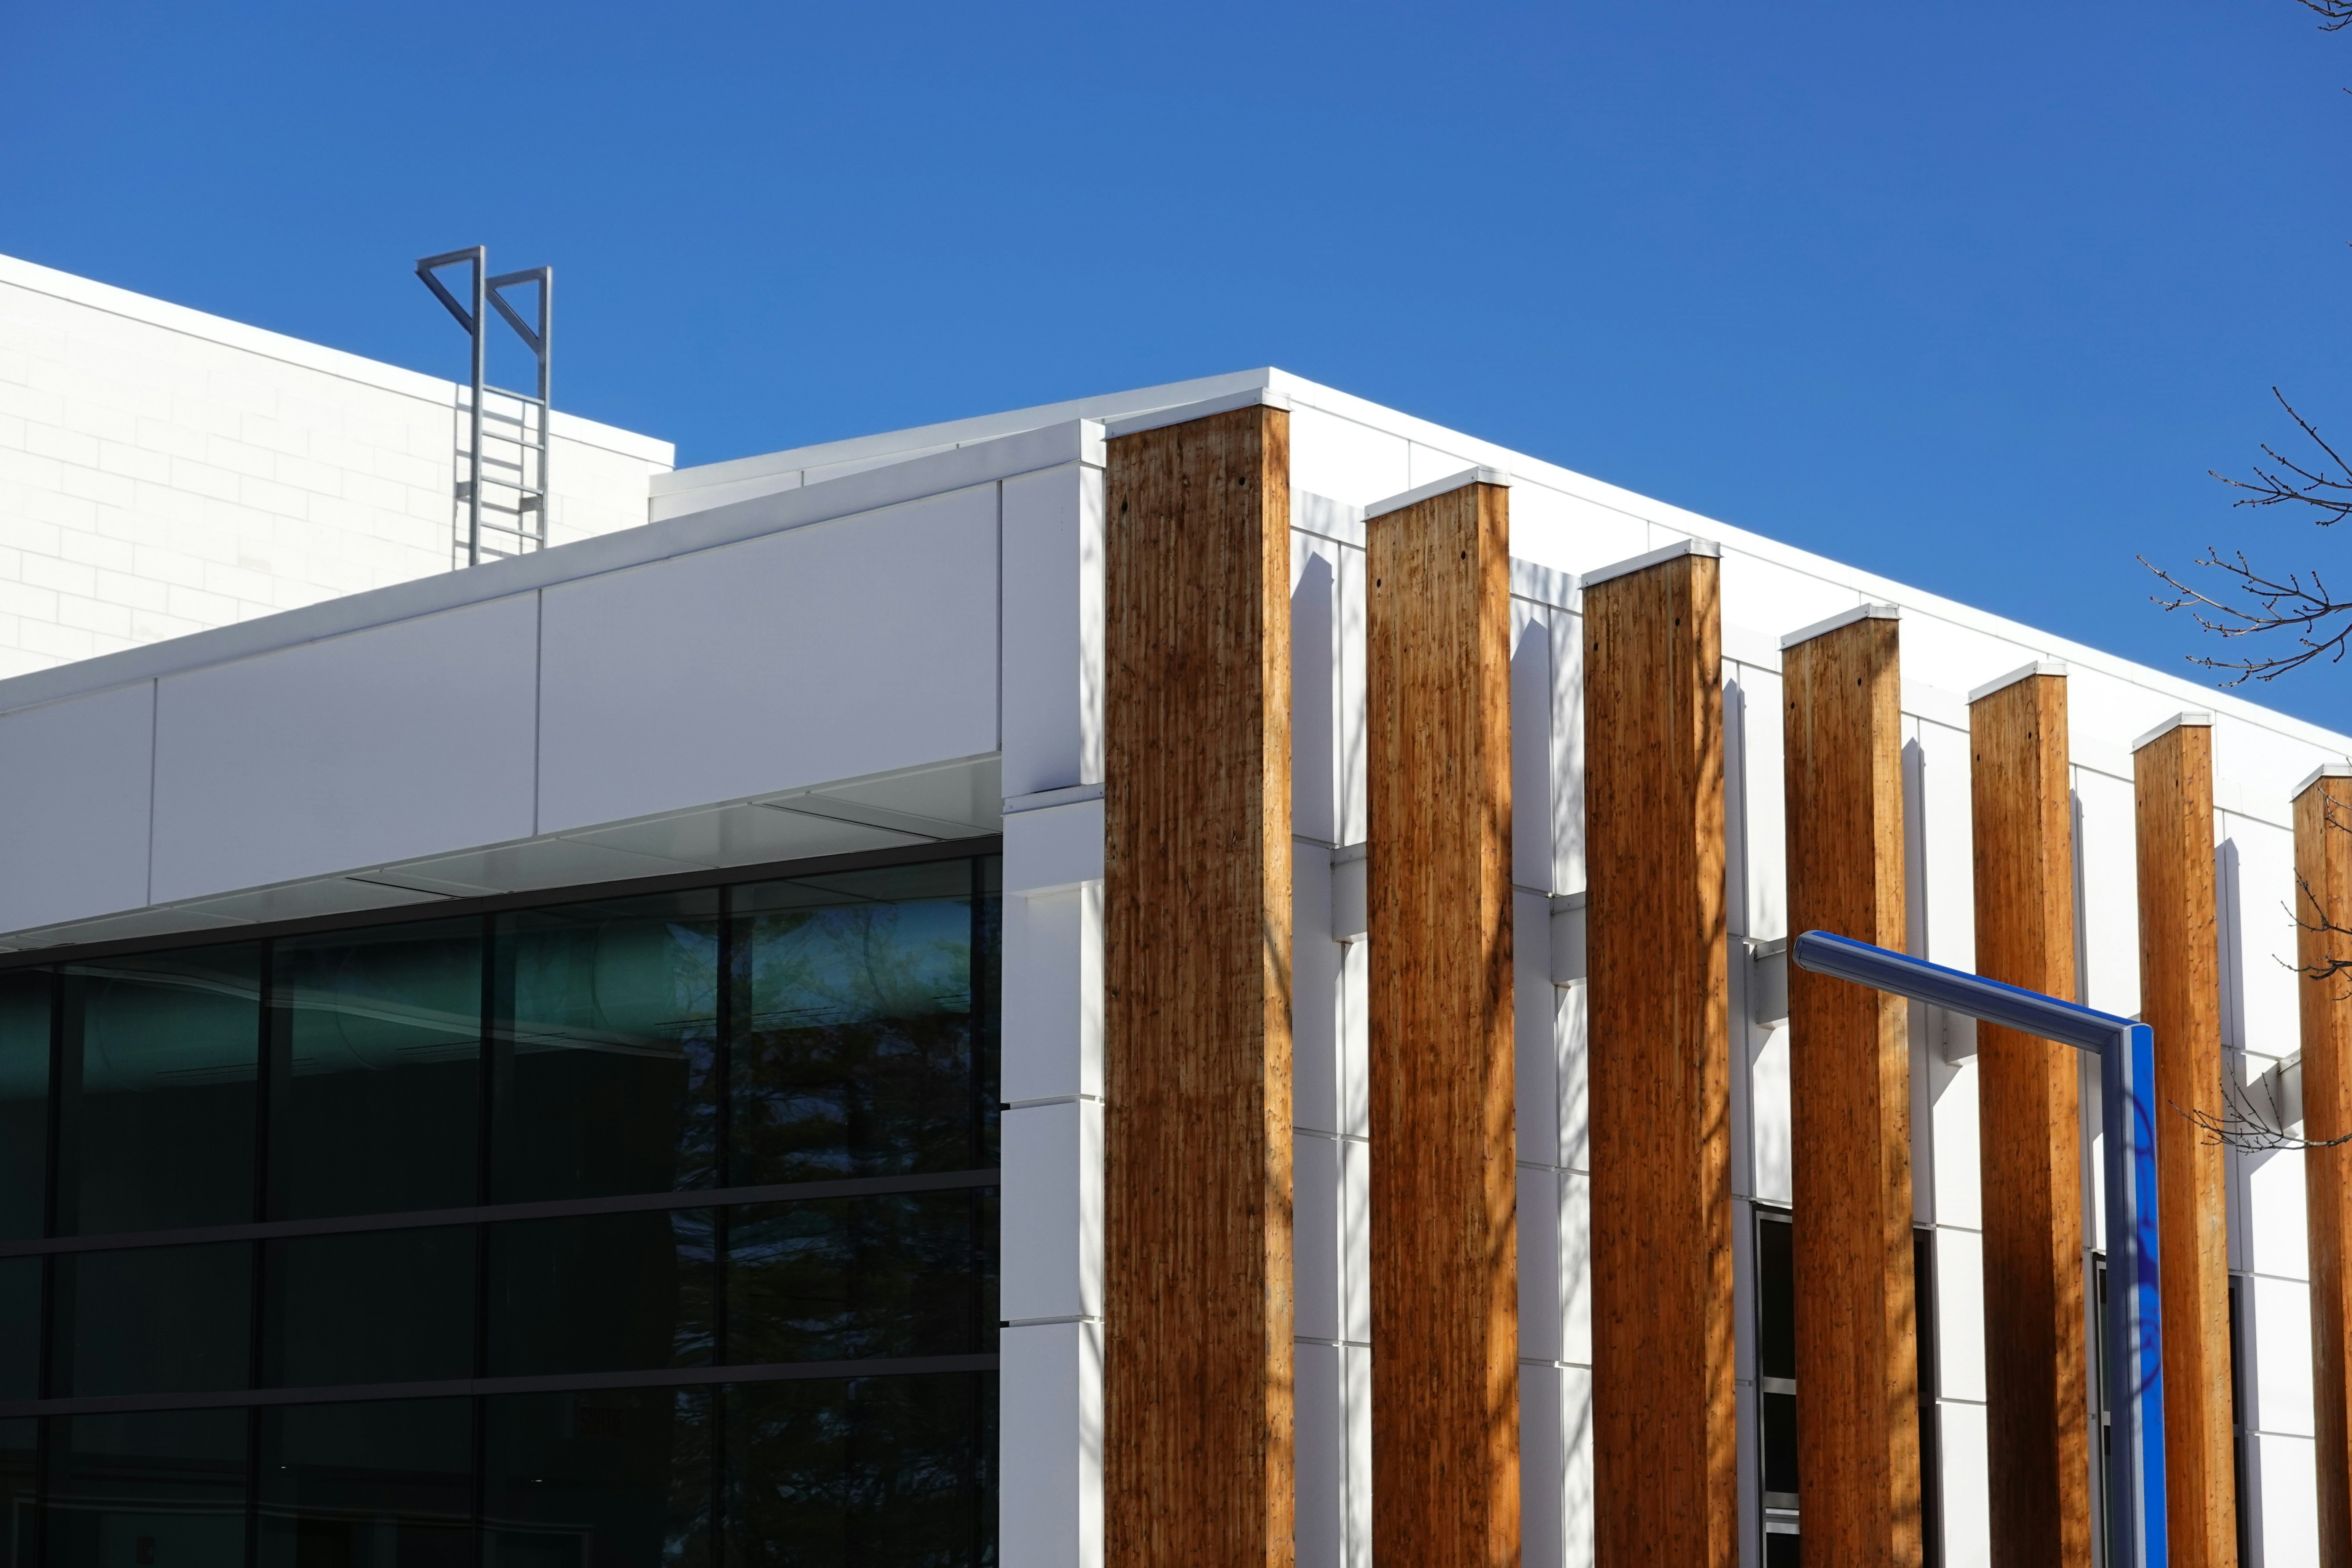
250, 702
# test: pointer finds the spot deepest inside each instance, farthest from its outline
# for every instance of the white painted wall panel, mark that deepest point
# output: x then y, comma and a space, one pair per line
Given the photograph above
1571, 533
1968, 1487
2277, 1240
1576, 1268
1567, 753
1543, 1465
378, 745
1350, 462
1777, 599
2106, 892
1049, 1445
2279, 1330
2259, 865
1959, 1314
1541, 1307
76, 778
1531, 748
1320, 1455
1053, 1211
826, 652
1052, 1019
1314, 688
1569, 1027
1536, 1030
1317, 1014
1053, 630
1752, 701
1316, 1245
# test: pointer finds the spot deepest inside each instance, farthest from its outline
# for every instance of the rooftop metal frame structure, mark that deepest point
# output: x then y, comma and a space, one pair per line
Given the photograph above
521, 526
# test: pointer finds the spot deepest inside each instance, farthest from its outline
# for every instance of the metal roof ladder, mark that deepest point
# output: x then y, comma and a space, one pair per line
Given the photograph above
502, 437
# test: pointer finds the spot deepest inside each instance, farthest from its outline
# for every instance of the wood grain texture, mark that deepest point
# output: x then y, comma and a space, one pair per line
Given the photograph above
2037, 1394
1445, 1247
1850, 1101
2181, 999
1664, 1431
2322, 865
1198, 1339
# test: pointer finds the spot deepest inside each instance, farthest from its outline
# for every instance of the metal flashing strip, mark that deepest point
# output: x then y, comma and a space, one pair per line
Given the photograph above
1185, 413
2324, 771
1046, 799
1446, 486
2001, 683
548, 1382
2183, 721
1706, 548
1843, 619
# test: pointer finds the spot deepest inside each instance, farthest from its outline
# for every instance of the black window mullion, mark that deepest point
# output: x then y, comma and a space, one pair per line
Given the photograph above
486, 1130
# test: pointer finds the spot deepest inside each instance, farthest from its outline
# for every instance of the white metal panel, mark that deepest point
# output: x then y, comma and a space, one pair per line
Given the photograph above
1779, 599
1429, 464
1569, 1023
379, 745
2277, 1241
830, 651
1053, 630
76, 776
1959, 1314
2277, 1326
1355, 1040
1535, 1005
2106, 892
2287, 1480
1314, 688
1762, 790
1968, 1486
1768, 1078
1053, 1211
1576, 1268
1356, 1239
2261, 861
1541, 1309
1567, 753
1054, 847
1052, 1006
1347, 461
1576, 1418
1531, 748
1315, 1207
1354, 813
1543, 1467
1049, 1445
1318, 1005
1321, 1456
1569, 533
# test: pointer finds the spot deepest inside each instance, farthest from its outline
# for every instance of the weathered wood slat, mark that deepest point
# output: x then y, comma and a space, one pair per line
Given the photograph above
1198, 1339
2323, 864
2028, 1098
1665, 1432
2181, 999
1445, 1277
1849, 1096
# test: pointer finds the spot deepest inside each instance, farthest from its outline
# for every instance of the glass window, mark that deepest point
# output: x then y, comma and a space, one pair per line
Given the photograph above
20, 1328
166, 1488
605, 1293
581, 1481
385, 1306
863, 1474
836, 1278
161, 1052
1776, 1373
855, 1052
161, 1319
24, 1103
19, 1473
606, 1049
380, 1485
376, 1070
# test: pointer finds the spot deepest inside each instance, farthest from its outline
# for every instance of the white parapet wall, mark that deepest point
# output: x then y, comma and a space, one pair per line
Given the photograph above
164, 471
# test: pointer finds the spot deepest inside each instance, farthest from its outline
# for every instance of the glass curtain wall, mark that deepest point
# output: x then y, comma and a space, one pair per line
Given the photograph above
656, 1230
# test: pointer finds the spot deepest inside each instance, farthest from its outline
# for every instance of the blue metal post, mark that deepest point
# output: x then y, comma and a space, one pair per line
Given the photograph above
2127, 1052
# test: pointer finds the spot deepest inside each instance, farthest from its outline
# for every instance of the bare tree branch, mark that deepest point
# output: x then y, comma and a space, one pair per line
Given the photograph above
2334, 14
2250, 602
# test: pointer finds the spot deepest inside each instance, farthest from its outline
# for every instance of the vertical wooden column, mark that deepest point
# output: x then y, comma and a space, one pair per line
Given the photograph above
1665, 1442
1849, 1099
1198, 1342
2181, 999
2027, 1097
1445, 1248
2322, 866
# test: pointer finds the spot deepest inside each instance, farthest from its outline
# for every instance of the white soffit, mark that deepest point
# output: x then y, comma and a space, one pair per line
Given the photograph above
1843, 619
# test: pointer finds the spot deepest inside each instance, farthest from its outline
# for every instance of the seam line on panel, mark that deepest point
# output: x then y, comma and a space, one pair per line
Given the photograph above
154, 732
1051, 1100
1334, 1344
538, 696
1050, 1323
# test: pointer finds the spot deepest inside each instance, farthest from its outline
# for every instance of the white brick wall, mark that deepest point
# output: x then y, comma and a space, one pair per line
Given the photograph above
163, 471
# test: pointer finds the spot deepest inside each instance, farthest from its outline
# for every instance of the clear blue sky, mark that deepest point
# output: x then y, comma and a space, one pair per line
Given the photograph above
1971, 296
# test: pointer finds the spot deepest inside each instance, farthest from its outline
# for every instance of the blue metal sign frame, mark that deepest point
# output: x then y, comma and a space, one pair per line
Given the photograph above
2127, 1053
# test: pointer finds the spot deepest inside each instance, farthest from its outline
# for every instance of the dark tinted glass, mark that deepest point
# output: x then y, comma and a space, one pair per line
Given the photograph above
854, 1051
386, 1306
832, 1280
1776, 1300
871, 1473
19, 1468
376, 1070
581, 1480
165, 1487
388, 1484
606, 1293
606, 1048
162, 1320
24, 1103
20, 1328
161, 1052
1780, 1443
